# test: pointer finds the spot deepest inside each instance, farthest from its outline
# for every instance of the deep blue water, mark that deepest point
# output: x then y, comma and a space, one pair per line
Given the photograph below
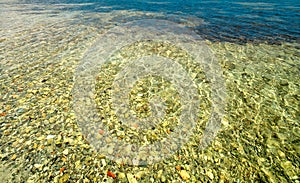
273, 21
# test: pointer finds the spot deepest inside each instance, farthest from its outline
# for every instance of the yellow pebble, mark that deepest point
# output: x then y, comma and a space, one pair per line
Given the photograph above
184, 174
13, 157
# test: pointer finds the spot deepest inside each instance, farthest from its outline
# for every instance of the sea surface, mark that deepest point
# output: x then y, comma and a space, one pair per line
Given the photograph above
226, 20
49, 51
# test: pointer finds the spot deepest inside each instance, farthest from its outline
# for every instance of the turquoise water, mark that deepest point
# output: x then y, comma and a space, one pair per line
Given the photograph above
230, 20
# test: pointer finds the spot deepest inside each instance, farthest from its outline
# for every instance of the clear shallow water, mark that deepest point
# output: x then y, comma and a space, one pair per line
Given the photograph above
231, 20
42, 43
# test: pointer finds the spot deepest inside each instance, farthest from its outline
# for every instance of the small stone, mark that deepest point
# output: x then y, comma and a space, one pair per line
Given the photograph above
86, 180
281, 154
110, 150
101, 156
6, 132
121, 175
66, 152
101, 132
3, 114
38, 166
20, 110
178, 167
131, 178
193, 75
163, 178
27, 130
77, 164
13, 157
288, 168
139, 174
168, 52
184, 174
64, 178
50, 137
41, 138
209, 174
68, 140
225, 123
159, 174
269, 175
28, 142
103, 162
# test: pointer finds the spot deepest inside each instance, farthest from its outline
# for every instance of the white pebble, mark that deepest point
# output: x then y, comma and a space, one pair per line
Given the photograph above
50, 137
66, 152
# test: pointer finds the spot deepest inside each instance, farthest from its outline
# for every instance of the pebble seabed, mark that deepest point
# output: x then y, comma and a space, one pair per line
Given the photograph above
259, 139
